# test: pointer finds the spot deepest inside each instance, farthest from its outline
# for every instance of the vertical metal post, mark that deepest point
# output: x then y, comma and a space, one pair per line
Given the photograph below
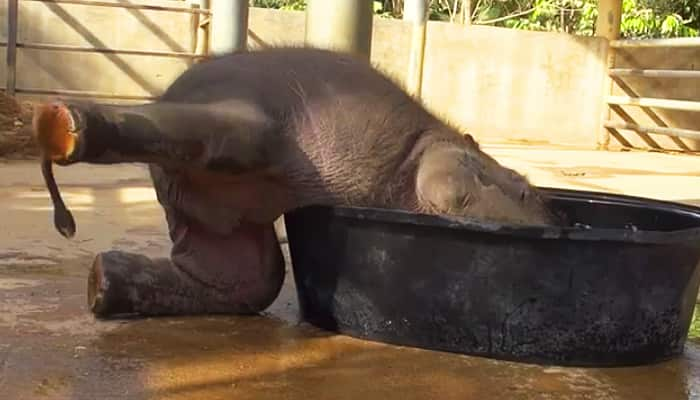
340, 25
466, 12
194, 31
608, 27
416, 12
202, 41
229, 26
12, 20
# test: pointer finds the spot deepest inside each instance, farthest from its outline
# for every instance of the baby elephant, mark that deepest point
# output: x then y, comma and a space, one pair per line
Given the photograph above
240, 139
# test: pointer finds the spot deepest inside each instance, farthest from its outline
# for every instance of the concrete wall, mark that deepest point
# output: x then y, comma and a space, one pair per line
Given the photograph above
500, 85
678, 89
506, 85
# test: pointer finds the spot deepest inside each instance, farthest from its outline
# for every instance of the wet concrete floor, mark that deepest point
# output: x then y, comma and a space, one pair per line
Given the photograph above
52, 348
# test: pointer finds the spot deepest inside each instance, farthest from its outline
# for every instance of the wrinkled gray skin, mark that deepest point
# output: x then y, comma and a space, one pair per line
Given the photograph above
238, 140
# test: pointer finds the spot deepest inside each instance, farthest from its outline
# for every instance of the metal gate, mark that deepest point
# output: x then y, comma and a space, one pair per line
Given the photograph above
200, 27
648, 105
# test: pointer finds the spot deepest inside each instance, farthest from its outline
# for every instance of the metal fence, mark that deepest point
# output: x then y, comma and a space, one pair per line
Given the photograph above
201, 17
647, 103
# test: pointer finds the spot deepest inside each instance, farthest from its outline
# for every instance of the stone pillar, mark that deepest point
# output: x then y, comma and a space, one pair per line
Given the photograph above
229, 26
340, 25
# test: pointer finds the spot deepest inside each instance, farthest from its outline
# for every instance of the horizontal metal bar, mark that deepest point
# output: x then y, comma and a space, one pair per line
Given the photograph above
673, 132
127, 5
639, 43
80, 93
655, 73
680, 105
79, 49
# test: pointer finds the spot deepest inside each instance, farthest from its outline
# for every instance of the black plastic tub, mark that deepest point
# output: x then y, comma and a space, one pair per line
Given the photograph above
618, 292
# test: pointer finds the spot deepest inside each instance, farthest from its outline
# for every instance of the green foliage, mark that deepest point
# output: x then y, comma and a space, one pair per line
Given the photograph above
298, 5
640, 18
694, 331
641, 21
572, 16
382, 10
686, 10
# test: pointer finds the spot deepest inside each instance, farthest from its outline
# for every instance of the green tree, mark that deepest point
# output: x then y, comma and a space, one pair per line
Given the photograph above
279, 4
654, 18
640, 18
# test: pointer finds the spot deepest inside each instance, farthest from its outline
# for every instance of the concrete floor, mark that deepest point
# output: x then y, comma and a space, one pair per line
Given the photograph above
52, 348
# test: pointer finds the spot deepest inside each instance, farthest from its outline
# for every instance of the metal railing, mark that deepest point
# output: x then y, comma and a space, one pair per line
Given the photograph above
614, 102
200, 30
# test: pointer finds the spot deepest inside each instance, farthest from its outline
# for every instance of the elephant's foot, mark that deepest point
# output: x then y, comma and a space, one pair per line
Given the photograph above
123, 283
